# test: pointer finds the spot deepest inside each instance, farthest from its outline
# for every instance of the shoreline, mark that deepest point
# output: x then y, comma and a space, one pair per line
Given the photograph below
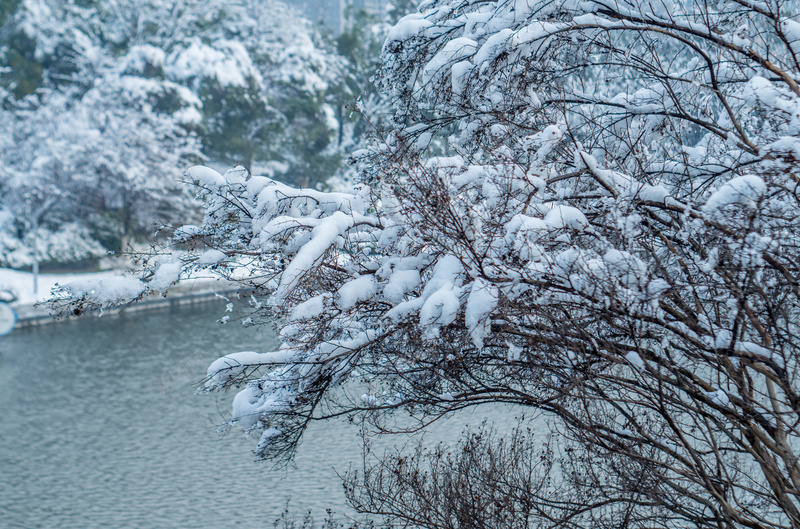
185, 292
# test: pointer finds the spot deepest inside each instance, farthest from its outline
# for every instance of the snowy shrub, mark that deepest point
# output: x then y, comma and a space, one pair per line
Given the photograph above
584, 208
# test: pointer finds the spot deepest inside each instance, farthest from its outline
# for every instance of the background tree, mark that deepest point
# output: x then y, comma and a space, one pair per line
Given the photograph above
125, 93
104, 160
33, 195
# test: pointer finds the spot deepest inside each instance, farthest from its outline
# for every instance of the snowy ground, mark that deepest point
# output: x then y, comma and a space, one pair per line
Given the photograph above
18, 285
17, 288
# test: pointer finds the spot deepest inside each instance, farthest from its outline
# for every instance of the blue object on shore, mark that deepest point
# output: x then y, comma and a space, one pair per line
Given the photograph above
8, 318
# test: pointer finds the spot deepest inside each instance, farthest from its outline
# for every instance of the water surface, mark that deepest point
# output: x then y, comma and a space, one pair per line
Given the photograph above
101, 428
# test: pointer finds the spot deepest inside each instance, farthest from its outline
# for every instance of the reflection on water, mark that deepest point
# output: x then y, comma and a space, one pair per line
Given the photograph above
100, 427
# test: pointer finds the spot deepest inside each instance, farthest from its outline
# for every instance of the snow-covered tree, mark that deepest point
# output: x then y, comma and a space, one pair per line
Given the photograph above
104, 162
588, 209
106, 101
32, 196
299, 72
256, 65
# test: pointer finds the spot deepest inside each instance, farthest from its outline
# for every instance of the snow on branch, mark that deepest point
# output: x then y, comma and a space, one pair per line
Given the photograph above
585, 208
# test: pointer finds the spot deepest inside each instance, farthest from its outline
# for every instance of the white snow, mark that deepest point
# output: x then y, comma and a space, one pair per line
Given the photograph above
440, 309
106, 287
565, 217
322, 237
359, 289
481, 302
310, 308
229, 366
743, 190
635, 360
400, 282
791, 29
20, 284
514, 352
109, 290
266, 439
244, 408
206, 177
408, 26
228, 62
165, 275
629, 269
211, 257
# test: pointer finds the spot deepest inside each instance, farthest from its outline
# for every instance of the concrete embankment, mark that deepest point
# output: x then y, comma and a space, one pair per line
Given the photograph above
184, 293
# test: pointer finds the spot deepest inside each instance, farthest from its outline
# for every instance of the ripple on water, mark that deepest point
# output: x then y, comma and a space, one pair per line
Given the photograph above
101, 428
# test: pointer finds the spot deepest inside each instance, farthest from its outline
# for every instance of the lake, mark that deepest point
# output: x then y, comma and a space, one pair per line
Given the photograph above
101, 427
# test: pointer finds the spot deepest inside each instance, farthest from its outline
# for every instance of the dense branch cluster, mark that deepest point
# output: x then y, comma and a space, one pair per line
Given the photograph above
587, 208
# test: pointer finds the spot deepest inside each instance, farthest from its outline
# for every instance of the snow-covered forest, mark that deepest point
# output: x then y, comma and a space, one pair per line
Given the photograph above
104, 104
584, 209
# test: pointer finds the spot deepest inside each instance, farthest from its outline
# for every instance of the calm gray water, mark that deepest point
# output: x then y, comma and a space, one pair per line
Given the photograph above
100, 427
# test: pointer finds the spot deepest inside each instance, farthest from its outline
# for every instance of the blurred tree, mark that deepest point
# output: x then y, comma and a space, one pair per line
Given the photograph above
249, 79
